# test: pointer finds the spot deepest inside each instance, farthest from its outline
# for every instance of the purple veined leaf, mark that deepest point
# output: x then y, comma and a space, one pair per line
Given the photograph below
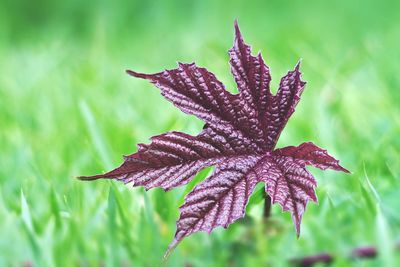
283, 104
309, 154
288, 183
196, 91
171, 160
220, 199
252, 78
238, 138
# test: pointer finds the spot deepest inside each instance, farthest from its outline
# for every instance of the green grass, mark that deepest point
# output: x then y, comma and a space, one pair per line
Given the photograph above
68, 109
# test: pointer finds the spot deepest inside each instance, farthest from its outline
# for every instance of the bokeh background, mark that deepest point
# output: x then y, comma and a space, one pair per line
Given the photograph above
67, 108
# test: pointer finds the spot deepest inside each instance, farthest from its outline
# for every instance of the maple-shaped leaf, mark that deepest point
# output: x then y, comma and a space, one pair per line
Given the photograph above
239, 138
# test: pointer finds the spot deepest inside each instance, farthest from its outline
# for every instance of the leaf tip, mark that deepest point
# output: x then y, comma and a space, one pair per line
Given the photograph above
235, 23
340, 168
238, 34
344, 170
107, 175
171, 248
297, 225
88, 178
137, 74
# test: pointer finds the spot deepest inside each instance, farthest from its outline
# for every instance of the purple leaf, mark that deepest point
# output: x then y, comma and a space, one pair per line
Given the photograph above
288, 183
238, 138
171, 160
309, 154
283, 104
196, 91
252, 78
220, 199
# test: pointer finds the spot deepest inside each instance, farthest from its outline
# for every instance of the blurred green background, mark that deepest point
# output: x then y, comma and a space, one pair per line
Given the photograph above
67, 108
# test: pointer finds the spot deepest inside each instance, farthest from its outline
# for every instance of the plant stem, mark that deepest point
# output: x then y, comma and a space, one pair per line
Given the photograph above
267, 206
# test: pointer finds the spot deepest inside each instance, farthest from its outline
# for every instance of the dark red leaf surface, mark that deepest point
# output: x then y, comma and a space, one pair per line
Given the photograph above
309, 154
288, 183
239, 138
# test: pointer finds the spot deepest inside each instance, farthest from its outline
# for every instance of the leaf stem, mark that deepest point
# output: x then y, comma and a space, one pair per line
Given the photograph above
267, 206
